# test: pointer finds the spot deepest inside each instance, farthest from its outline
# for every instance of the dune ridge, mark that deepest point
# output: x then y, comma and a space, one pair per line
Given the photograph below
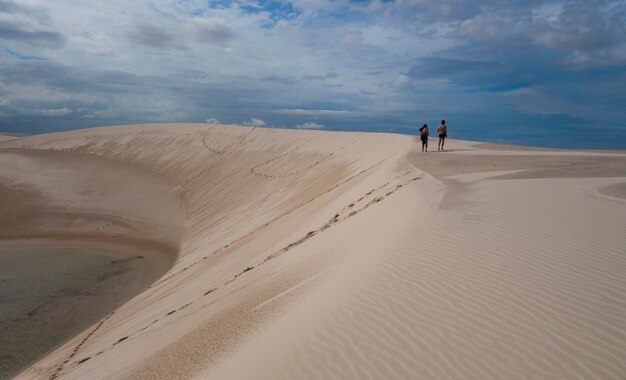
251, 196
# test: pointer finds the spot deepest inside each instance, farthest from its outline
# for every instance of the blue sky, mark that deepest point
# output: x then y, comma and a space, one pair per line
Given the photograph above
542, 73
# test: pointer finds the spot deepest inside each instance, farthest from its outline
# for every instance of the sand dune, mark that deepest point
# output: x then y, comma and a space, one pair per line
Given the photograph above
256, 203
308, 254
513, 274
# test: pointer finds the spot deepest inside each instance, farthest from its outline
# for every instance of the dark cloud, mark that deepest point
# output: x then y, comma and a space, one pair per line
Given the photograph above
154, 36
487, 76
320, 77
445, 67
117, 98
216, 34
166, 38
32, 72
72, 80
14, 32
10, 7
277, 79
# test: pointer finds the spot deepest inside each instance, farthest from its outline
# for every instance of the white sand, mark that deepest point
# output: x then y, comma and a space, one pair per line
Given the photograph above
521, 278
250, 194
7, 137
330, 255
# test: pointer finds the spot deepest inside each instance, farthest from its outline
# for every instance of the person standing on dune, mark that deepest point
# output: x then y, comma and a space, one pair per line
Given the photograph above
424, 137
443, 133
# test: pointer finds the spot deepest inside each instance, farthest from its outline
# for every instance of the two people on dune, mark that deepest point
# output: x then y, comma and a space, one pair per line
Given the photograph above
443, 133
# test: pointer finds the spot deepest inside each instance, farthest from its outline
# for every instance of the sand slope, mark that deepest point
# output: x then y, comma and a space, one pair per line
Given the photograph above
267, 212
330, 255
514, 274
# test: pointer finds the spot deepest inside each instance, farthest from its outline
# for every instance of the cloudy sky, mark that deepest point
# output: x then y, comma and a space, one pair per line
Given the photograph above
546, 73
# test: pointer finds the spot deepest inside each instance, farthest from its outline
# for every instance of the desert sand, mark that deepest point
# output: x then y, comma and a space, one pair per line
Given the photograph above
309, 254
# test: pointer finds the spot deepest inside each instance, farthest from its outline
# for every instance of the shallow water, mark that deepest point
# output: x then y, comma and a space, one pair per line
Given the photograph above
48, 295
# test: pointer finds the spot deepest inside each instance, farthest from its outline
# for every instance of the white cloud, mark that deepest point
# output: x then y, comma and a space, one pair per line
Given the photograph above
255, 122
49, 112
212, 120
401, 81
495, 25
310, 125
312, 112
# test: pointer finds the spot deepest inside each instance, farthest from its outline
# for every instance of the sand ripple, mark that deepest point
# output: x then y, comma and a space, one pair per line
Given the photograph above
459, 301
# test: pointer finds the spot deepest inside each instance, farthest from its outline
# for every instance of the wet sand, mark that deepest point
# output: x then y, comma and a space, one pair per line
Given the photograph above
79, 237
48, 294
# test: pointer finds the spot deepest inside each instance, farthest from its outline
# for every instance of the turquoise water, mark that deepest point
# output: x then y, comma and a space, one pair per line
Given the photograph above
48, 295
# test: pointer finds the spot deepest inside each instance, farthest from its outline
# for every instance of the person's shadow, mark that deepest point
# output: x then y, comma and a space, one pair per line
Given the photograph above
449, 150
